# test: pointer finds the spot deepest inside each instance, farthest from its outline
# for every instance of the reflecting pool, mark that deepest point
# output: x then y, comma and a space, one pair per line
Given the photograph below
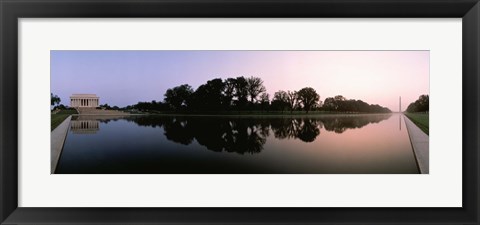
162, 144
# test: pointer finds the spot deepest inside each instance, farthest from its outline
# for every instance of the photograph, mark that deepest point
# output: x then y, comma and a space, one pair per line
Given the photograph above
168, 112
239, 111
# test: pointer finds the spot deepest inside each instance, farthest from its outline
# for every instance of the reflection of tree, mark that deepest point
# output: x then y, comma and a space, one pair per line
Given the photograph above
249, 134
177, 129
279, 127
150, 121
306, 129
211, 133
231, 135
340, 124
284, 127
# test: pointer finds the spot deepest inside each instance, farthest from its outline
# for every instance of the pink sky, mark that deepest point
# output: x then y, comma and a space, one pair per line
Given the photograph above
377, 77
126, 77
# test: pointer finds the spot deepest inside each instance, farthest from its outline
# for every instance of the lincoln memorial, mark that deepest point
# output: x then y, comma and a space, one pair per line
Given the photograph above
84, 100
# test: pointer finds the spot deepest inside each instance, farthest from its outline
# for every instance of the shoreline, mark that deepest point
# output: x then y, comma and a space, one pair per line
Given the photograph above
420, 145
57, 140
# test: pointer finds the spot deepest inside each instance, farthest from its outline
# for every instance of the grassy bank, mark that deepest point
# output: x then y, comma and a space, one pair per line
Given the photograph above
419, 119
59, 117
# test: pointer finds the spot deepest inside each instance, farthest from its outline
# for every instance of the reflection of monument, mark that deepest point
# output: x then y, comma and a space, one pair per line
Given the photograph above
84, 126
84, 100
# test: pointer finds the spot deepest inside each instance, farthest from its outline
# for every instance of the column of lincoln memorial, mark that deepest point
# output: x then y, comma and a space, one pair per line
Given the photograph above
84, 100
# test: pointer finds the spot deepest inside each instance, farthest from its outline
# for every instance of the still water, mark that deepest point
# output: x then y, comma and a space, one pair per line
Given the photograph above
317, 144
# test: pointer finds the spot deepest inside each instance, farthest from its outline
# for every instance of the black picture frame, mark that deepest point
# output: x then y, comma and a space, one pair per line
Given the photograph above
12, 10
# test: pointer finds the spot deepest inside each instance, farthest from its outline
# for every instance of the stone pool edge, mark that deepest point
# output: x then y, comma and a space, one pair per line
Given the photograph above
57, 139
420, 145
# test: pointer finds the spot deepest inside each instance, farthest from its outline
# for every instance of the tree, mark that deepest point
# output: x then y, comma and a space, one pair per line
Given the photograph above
423, 103
209, 96
308, 98
105, 106
241, 92
54, 99
292, 97
148, 106
61, 107
280, 100
255, 88
420, 105
329, 104
178, 97
339, 98
265, 101
342, 104
228, 92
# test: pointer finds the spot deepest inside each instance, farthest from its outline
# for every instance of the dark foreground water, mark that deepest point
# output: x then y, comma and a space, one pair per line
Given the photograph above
328, 144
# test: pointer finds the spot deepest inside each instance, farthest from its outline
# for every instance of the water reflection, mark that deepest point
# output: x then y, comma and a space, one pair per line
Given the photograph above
91, 124
305, 129
216, 133
400, 122
84, 126
240, 134
340, 124
237, 144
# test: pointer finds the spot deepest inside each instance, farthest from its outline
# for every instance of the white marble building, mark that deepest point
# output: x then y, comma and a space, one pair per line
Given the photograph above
84, 101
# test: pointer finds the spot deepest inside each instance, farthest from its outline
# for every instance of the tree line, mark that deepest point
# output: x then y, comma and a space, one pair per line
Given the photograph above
55, 102
420, 105
249, 94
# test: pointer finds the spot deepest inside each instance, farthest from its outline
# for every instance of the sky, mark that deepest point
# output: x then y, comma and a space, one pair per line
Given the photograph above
124, 78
